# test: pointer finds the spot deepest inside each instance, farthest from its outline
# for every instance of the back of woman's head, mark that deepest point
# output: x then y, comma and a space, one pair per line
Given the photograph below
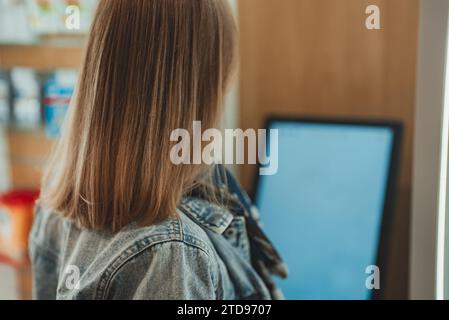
151, 66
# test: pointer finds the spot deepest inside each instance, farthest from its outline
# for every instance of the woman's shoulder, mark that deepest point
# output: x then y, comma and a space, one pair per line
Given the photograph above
160, 262
189, 226
47, 231
174, 259
135, 253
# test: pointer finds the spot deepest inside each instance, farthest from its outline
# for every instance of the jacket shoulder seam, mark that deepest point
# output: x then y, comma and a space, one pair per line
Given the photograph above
141, 246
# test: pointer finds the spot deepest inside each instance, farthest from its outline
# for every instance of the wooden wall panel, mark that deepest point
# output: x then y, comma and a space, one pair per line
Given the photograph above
28, 153
40, 57
316, 58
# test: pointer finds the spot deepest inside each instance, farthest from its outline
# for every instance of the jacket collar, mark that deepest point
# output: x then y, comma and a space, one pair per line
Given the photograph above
206, 214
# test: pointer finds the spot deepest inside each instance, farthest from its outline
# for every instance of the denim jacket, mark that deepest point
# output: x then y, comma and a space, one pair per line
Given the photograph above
205, 252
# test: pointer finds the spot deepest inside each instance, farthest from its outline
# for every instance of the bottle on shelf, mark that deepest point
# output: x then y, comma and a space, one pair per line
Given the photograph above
58, 91
27, 99
5, 113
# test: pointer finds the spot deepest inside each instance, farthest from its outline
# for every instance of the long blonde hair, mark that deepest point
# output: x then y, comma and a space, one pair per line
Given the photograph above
150, 67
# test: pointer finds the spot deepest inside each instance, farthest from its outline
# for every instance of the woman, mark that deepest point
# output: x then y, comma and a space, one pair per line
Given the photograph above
117, 219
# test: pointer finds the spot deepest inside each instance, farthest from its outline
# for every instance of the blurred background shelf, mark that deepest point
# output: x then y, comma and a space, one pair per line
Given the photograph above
29, 149
42, 57
28, 152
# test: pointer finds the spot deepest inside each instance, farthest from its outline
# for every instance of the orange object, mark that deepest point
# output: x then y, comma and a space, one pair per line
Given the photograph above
16, 217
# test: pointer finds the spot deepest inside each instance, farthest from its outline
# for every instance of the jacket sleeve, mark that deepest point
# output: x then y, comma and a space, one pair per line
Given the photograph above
44, 257
166, 271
